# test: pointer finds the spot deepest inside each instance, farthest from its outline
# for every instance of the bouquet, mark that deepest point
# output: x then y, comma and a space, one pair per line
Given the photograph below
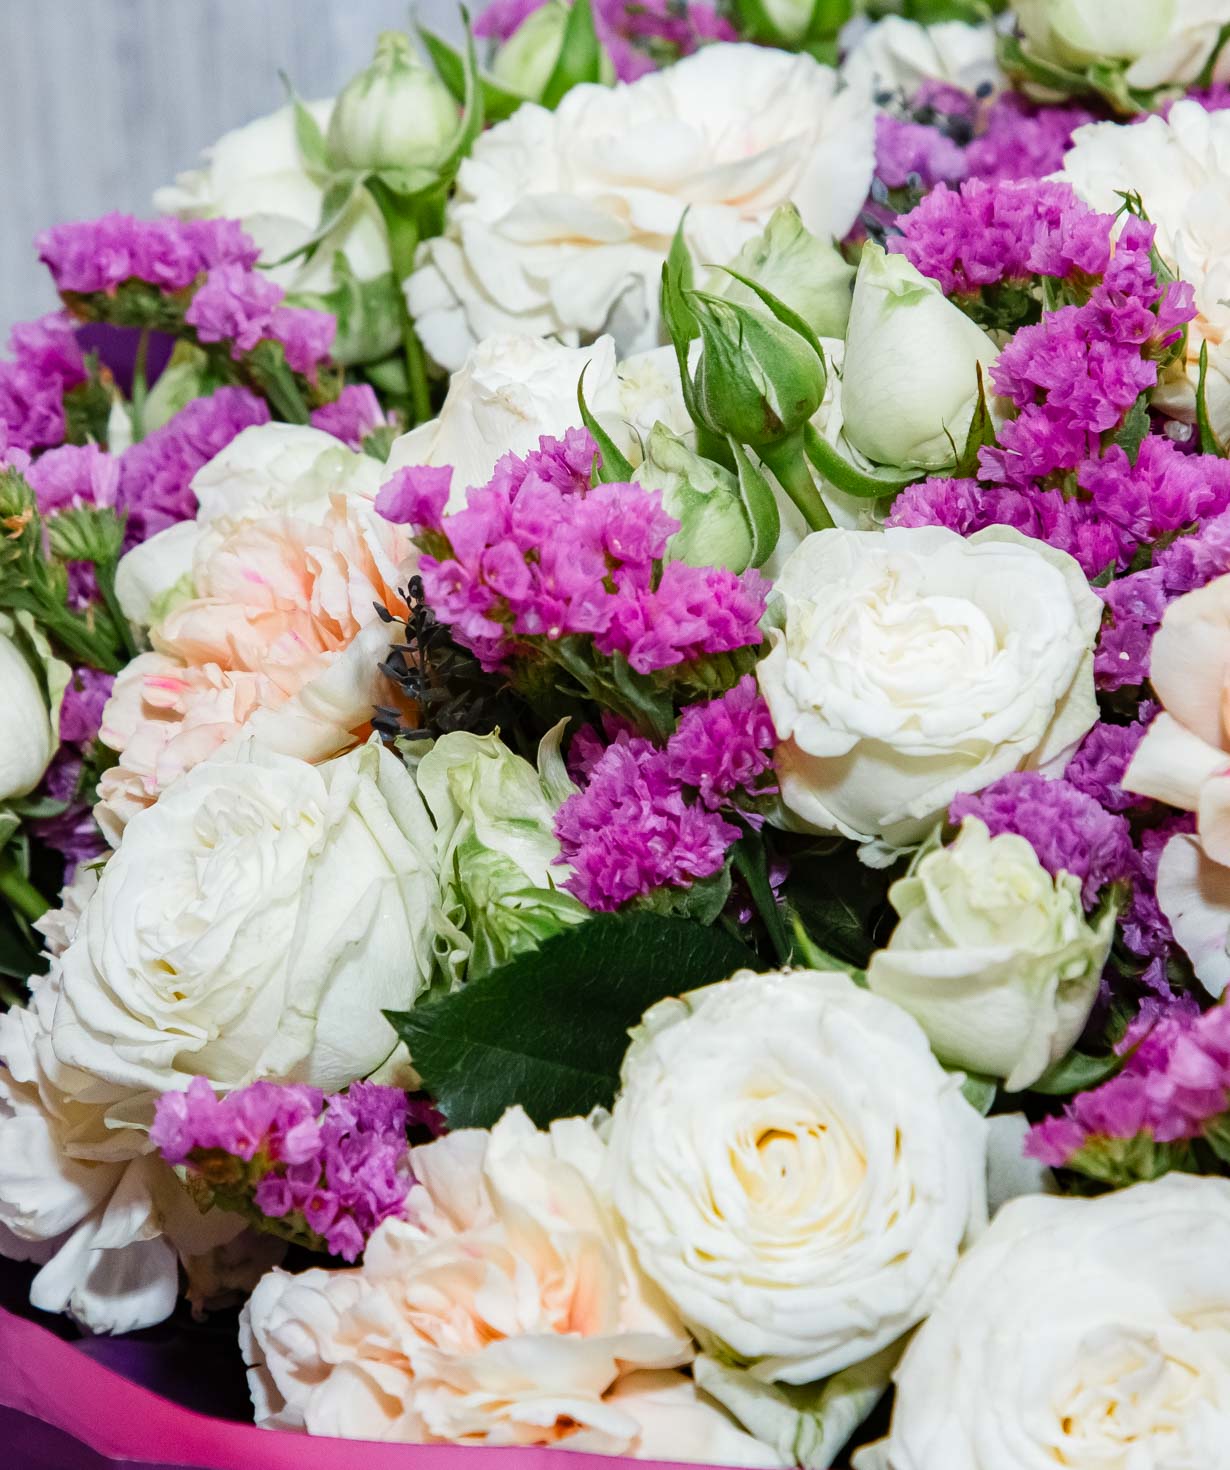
613, 793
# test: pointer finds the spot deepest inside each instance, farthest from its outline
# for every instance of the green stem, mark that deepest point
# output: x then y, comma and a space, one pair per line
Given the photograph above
789, 464
749, 862
140, 388
21, 894
403, 230
104, 577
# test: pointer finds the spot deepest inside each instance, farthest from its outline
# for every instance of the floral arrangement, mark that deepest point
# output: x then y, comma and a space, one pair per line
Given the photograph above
614, 772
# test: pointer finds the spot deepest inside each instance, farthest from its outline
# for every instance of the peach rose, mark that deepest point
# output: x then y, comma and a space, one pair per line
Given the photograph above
1184, 760
282, 641
504, 1311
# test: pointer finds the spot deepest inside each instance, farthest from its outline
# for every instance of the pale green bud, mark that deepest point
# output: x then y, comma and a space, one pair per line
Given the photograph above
703, 497
810, 275
395, 114
525, 61
757, 380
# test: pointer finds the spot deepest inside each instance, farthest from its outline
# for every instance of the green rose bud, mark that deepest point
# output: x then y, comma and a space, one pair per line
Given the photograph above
810, 275
758, 379
395, 114
703, 497
992, 956
526, 60
496, 850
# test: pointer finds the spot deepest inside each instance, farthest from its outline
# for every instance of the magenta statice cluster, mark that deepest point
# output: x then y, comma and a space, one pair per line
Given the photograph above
634, 33
1173, 1087
46, 363
95, 256
238, 305
156, 473
352, 416
651, 816
1069, 831
340, 1164
537, 554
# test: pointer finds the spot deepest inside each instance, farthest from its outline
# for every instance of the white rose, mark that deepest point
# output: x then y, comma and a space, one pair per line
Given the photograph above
897, 55
108, 1221
266, 470
256, 175
913, 664
505, 1310
1082, 1332
513, 390
561, 219
1163, 41
909, 382
28, 732
795, 1169
992, 956
253, 923
1180, 167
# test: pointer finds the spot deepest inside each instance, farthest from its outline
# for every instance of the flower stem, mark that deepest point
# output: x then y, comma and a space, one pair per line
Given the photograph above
140, 387
104, 578
789, 464
401, 222
749, 862
21, 894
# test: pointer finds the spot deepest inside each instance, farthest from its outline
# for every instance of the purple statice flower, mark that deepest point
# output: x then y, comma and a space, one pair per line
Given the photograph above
1019, 140
352, 416
913, 153
340, 1164
636, 34
724, 747
632, 829
156, 473
416, 496
1163, 492
1102, 759
46, 364
72, 832
1068, 830
243, 307
81, 711
1175, 1083
74, 475
1143, 927
985, 233
99, 255
538, 554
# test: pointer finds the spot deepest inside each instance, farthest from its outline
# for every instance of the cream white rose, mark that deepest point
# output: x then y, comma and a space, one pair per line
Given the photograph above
513, 390
108, 1221
795, 1169
504, 1310
561, 220
1162, 41
1082, 1332
909, 381
253, 923
913, 663
1180, 167
256, 174
897, 55
992, 956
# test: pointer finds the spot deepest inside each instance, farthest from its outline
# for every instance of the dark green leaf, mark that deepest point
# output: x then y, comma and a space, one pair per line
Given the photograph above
840, 900
549, 1030
1075, 1073
1131, 436
580, 55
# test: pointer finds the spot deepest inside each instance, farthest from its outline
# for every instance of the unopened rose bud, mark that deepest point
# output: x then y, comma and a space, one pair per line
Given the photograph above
396, 113
526, 60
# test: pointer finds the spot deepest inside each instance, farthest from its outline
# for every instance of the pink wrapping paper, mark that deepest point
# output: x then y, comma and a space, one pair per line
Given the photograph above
49, 1380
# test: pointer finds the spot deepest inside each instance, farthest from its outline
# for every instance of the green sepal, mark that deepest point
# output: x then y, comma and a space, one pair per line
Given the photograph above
844, 476
498, 102
759, 505
1131, 434
580, 56
981, 434
1209, 442
611, 467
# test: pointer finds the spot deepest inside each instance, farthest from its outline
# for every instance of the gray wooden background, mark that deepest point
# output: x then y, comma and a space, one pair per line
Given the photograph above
103, 100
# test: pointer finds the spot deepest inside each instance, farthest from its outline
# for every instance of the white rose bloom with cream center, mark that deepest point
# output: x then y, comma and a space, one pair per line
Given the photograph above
897, 55
1162, 42
912, 664
253, 923
561, 220
1080, 1332
504, 1310
1180, 167
796, 1171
